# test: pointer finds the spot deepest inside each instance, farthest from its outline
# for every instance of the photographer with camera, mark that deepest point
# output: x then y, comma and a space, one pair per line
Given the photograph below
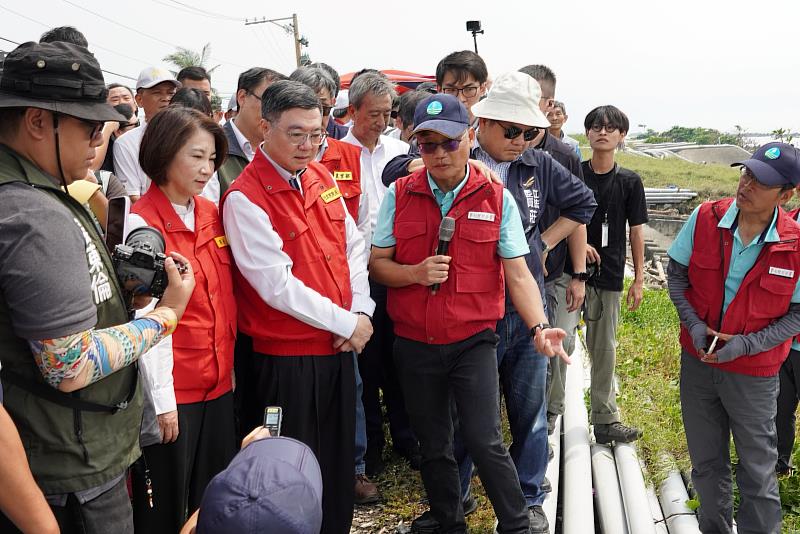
188, 375
67, 346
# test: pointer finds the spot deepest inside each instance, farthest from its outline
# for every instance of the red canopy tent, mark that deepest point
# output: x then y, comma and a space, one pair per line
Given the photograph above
404, 80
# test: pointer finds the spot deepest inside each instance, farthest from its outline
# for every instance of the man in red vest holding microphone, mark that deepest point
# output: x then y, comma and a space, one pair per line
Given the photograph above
733, 277
301, 289
445, 301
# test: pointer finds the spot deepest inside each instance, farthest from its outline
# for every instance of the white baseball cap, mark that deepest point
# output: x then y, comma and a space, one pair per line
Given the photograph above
342, 99
514, 97
152, 76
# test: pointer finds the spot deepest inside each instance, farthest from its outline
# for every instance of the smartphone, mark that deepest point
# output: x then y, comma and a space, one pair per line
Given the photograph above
273, 416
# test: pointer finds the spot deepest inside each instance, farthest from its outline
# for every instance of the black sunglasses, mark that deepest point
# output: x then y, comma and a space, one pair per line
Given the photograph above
512, 132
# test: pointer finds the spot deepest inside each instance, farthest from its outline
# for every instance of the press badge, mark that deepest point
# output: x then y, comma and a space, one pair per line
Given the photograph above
604, 236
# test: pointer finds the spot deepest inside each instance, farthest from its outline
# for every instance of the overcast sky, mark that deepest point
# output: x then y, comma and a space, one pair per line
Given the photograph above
705, 63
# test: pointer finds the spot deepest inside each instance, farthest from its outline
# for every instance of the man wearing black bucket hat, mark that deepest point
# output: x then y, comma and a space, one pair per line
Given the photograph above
733, 277
67, 348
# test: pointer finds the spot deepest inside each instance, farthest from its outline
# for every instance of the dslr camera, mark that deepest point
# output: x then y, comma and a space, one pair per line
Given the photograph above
139, 263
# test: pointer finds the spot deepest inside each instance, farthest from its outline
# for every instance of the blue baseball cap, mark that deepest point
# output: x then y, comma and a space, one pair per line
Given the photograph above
273, 485
443, 114
774, 164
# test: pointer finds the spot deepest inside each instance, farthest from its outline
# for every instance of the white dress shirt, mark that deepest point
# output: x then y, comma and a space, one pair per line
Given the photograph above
258, 251
126, 161
156, 363
372, 165
244, 144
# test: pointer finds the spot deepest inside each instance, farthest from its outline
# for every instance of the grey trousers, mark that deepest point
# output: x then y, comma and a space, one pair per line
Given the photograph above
715, 404
559, 317
601, 314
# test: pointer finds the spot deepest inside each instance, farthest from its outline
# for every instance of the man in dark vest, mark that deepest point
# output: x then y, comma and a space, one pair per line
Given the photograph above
242, 132
67, 346
445, 307
733, 277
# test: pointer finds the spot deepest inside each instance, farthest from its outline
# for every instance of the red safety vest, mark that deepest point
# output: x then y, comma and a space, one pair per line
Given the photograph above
763, 297
343, 161
203, 342
472, 299
312, 228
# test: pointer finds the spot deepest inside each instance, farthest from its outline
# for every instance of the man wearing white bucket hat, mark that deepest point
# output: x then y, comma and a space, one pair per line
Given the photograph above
508, 119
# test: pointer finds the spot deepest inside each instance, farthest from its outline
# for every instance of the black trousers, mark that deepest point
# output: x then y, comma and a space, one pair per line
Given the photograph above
378, 372
318, 397
787, 406
432, 375
245, 383
181, 470
109, 512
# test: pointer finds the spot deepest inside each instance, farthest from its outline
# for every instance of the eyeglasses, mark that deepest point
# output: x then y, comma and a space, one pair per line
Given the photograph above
300, 138
95, 127
512, 132
748, 178
468, 91
451, 145
251, 93
599, 127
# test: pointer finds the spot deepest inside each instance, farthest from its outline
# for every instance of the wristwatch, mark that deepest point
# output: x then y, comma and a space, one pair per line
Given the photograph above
545, 248
540, 326
365, 315
583, 276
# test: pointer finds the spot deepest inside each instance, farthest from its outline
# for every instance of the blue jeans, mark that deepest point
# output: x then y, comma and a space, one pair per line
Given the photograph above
523, 377
361, 423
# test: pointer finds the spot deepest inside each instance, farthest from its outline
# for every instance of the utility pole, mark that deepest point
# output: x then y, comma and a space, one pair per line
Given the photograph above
296, 38
292, 28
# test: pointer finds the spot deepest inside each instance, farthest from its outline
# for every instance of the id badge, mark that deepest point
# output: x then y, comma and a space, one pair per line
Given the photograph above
604, 236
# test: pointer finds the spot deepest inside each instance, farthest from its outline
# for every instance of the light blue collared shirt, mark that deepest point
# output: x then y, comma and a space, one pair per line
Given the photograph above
742, 257
512, 243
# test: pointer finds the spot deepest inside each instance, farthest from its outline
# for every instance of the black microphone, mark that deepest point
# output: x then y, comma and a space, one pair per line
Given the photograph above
446, 231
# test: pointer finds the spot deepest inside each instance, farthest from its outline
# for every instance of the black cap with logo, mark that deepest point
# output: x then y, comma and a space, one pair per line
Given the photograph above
60, 77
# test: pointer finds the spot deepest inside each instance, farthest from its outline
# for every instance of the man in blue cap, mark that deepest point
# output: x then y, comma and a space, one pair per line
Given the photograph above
733, 277
445, 305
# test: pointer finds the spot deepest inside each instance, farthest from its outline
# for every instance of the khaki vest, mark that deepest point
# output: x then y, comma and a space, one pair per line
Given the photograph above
70, 449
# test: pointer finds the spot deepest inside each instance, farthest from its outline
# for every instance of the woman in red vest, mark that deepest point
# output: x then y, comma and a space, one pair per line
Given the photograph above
192, 397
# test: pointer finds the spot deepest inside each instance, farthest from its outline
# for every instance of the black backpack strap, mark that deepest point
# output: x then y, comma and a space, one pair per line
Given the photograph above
66, 400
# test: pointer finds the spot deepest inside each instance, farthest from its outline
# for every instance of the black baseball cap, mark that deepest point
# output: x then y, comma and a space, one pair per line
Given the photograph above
443, 114
60, 77
774, 164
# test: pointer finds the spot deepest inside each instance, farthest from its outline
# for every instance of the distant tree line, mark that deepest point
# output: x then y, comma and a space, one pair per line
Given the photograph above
710, 136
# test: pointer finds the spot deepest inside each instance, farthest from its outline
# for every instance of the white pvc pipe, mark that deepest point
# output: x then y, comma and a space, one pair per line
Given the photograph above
673, 497
553, 472
659, 526
577, 470
634, 493
607, 496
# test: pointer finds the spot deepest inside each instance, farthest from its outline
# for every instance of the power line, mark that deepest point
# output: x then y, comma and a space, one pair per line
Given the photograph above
202, 12
157, 39
94, 45
104, 70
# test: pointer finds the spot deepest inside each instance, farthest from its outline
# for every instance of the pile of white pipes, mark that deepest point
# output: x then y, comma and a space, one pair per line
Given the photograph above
607, 482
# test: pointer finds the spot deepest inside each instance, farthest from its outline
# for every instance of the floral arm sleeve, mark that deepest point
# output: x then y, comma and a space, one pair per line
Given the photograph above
91, 355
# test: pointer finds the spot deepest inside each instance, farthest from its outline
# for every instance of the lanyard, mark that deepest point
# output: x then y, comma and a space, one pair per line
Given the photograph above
609, 191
